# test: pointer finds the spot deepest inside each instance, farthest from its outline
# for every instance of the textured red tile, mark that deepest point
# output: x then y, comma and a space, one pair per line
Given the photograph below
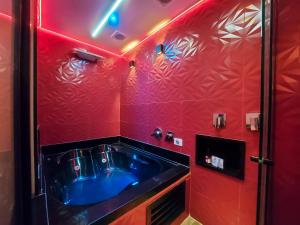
166, 115
136, 131
209, 212
248, 201
189, 143
138, 113
201, 73
76, 100
208, 183
196, 115
205, 72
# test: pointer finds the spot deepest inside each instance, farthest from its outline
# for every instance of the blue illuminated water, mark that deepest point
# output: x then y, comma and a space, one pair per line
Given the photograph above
96, 189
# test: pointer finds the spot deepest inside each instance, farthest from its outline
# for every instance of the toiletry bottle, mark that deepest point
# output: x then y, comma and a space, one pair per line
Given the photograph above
208, 157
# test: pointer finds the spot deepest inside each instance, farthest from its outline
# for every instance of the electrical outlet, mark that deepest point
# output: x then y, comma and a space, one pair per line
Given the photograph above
178, 141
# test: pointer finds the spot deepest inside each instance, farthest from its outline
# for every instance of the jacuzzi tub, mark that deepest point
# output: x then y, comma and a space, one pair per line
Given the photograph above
96, 185
88, 176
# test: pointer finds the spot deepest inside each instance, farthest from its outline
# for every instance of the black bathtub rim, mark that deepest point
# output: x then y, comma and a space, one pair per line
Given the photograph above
181, 158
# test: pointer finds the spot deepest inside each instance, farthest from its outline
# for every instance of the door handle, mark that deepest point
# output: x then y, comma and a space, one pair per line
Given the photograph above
263, 161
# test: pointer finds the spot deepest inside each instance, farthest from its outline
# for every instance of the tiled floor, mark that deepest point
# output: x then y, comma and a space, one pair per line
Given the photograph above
190, 221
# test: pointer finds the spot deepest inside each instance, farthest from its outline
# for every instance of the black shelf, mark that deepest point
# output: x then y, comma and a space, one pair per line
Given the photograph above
231, 152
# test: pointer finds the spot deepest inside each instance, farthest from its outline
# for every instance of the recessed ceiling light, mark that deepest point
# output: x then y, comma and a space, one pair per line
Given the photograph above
117, 35
114, 19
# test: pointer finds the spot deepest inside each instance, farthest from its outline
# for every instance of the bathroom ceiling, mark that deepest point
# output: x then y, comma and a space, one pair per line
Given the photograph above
135, 19
6, 7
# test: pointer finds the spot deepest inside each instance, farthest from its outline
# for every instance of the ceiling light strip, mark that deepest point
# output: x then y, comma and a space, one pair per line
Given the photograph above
158, 27
76, 40
171, 21
106, 17
130, 46
6, 16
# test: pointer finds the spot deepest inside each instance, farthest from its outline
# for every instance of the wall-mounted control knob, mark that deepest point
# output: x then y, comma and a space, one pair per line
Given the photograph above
157, 133
169, 136
219, 120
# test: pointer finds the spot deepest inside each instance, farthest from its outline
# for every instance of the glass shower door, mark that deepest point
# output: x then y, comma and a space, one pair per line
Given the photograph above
15, 111
6, 114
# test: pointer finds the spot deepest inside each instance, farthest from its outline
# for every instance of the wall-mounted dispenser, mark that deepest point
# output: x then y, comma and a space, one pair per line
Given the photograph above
253, 121
219, 120
86, 55
169, 136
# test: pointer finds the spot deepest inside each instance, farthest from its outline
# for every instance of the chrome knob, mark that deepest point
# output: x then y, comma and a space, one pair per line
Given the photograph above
157, 133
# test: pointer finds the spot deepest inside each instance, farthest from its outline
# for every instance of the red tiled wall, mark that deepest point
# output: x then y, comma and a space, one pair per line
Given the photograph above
211, 64
76, 100
285, 196
7, 166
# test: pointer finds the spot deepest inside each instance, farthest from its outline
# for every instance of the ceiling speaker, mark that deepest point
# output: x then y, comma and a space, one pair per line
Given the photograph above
118, 36
164, 2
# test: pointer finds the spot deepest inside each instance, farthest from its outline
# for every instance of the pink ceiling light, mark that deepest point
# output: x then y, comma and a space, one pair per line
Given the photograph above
76, 40
5, 16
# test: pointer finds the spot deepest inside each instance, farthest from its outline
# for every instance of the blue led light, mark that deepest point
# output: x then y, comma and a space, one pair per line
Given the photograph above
106, 17
135, 183
114, 19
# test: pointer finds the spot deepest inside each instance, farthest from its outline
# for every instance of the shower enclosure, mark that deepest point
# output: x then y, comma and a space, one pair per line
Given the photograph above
16, 99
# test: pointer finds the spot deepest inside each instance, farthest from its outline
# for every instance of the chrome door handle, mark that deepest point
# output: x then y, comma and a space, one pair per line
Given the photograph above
264, 161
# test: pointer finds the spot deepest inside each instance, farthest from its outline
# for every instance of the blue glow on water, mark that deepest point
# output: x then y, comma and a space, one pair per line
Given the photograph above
67, 202
88, 191
135, 183
114, 19
81, 178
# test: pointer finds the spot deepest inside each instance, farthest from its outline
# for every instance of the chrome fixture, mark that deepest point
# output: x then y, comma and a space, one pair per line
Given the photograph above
253, 121
219, 120
160, 49
86, 55
169, 136
157, 133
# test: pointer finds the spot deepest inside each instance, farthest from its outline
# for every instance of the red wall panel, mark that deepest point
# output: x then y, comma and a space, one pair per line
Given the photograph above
7, 166
6, 84
77, 100
211, 64
285, 196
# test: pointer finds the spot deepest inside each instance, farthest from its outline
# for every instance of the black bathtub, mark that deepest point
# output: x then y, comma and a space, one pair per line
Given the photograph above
88, 176
95, 185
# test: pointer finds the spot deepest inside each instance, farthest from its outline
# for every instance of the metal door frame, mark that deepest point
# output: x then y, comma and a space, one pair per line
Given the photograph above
21, 111
266, 108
